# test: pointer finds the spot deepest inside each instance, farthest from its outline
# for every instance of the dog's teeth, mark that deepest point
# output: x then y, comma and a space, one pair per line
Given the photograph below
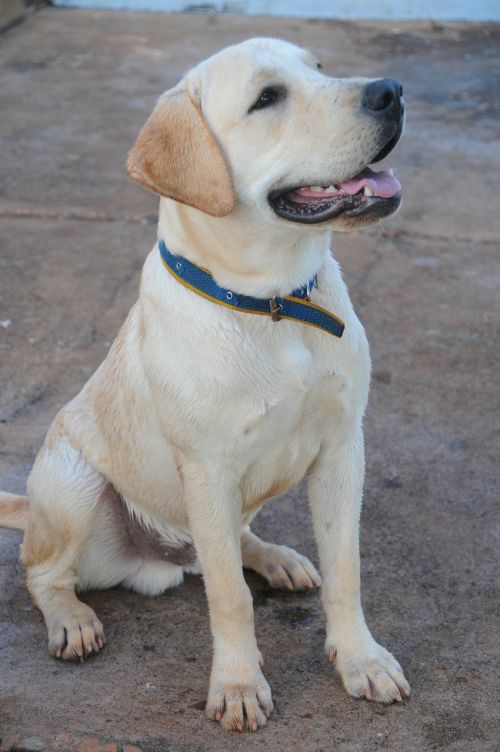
391, 171
317, 188
367, 191
331, 188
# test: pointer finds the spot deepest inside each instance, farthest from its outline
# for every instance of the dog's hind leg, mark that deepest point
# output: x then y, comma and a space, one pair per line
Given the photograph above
64, 491
281, 566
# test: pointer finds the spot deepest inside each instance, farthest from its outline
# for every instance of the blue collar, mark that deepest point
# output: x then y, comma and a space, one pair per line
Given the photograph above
296, 306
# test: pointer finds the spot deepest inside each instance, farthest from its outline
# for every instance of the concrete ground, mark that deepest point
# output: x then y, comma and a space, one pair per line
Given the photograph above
76, 86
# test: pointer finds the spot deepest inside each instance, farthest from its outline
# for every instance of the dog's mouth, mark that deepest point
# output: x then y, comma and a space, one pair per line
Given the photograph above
369, 194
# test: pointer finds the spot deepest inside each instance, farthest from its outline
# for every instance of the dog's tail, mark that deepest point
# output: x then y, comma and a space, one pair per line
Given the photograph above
13, 511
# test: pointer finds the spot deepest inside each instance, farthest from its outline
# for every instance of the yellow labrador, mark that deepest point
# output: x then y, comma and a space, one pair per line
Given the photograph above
202, 411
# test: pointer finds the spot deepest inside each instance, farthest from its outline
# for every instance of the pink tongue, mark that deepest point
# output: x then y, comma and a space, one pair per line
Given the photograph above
382, 183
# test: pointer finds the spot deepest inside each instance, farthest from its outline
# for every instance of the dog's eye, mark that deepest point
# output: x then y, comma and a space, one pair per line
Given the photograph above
268, 97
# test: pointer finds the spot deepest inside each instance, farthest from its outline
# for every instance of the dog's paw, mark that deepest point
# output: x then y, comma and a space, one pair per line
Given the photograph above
285, 568
240, 706
76, 634
372, 673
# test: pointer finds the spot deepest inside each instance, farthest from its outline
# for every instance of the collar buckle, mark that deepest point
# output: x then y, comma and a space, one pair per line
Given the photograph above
275, 307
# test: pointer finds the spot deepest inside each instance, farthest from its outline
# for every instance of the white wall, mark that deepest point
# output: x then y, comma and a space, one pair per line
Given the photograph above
470, 10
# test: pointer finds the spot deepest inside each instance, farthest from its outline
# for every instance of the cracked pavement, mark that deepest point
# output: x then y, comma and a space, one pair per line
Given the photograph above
76, 87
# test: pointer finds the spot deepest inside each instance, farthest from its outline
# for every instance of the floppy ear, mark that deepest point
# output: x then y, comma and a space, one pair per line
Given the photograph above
175, 155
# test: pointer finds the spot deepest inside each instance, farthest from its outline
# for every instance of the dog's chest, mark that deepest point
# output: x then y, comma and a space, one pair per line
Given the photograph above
309, 386
299, 396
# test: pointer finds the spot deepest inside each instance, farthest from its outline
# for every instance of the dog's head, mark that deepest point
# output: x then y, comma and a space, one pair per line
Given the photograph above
259, 127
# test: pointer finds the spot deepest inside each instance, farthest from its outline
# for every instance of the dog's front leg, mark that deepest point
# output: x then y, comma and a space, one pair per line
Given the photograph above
335, 490
239, 696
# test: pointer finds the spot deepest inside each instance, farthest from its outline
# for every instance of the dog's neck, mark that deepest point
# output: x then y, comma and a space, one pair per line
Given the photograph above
263, 260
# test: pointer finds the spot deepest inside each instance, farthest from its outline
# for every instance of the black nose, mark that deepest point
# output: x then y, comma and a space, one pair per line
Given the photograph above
383, 97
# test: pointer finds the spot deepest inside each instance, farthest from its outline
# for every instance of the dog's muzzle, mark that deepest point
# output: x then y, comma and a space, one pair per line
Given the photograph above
368, 195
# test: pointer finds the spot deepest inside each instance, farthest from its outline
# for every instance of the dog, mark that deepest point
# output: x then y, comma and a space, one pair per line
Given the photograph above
241, 369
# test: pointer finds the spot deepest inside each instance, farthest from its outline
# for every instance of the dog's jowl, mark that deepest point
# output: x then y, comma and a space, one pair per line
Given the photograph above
241, 369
